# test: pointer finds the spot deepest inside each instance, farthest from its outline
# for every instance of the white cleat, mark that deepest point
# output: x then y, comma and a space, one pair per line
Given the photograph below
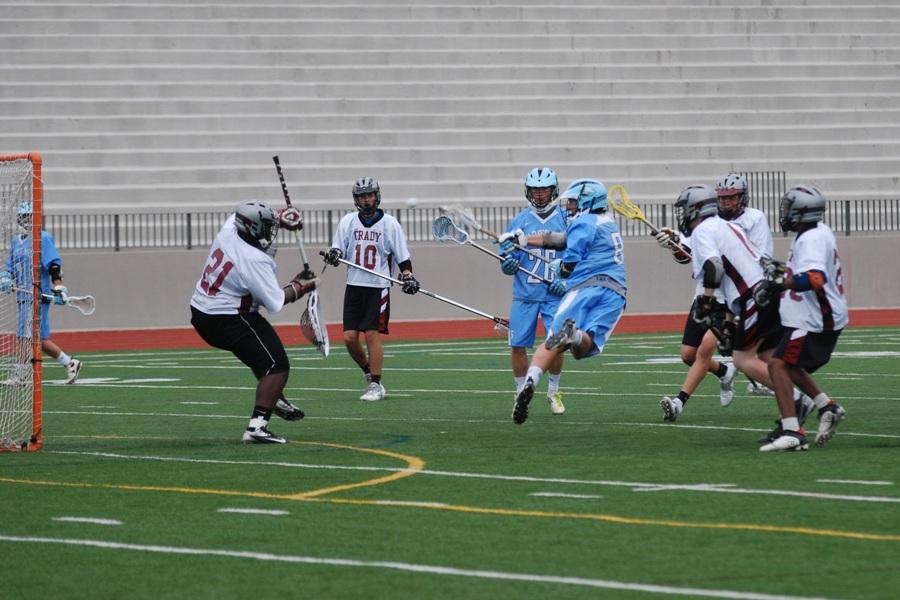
789, 441
556, 404
374, 392
829, 417
726, 385
261, 435
671, 407
758, 389
72, 370
564, 338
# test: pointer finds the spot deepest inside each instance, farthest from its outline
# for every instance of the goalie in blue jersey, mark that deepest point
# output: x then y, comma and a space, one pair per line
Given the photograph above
532, 299
590, 279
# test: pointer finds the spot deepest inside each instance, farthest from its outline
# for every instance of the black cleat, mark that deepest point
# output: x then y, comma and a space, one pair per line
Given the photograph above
523, 399
287, 411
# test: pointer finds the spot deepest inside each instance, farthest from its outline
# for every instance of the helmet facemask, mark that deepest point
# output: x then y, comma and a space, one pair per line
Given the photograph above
257, 221
733, 184
538, 180
362, 187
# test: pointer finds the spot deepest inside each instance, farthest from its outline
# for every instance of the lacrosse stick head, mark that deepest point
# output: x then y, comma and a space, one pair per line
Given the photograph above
462, 216
622, 204
445, 230
85, 304
501, 327
311, 325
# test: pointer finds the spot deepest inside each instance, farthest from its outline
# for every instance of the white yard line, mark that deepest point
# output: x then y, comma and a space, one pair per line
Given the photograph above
410, 568
855, 482
636, 486
562, 495
254, 511
90, 520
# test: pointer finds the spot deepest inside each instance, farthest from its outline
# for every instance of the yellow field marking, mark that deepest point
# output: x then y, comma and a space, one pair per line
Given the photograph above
413, 466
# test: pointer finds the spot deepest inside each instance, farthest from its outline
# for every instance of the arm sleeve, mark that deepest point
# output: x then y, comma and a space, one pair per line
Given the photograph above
49, 254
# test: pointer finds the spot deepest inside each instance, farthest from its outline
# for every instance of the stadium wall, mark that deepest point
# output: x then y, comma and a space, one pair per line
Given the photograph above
143, 295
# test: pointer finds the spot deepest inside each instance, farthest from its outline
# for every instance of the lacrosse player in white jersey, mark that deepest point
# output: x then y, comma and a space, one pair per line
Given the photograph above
724, 258
238, 278
375, 240
590, 278
813, 312
734, 197
531, 298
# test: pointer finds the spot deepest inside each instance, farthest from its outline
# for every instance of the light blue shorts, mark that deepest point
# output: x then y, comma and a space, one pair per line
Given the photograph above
523, 318
595, 309
25, 316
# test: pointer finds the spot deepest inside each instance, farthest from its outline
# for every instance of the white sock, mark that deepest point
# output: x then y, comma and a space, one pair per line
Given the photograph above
822, 400
534, 374
553, 383
791, 424
257, 423
520, 382
64, 359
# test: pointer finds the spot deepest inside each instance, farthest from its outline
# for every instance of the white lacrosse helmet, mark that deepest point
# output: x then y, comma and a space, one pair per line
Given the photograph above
695, 202
801, 204
731, 185
257, 220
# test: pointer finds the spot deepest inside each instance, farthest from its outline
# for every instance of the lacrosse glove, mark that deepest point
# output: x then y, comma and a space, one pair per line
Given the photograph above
766, 291
773, 270
555, 267
725, 339
289, 218
510, 265
706, 310
410, 283
559, 287
333, 256
666, 237
509, 240
60, 294
6, 282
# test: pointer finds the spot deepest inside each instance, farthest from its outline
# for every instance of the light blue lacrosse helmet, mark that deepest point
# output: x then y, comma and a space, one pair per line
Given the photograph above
24, 209
541, 177
589, 193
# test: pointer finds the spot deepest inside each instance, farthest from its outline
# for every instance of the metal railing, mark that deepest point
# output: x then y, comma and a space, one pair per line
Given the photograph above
193, 230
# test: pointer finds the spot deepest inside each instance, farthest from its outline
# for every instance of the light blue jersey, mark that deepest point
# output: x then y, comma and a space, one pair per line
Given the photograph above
528, 287
596, 296
18, 263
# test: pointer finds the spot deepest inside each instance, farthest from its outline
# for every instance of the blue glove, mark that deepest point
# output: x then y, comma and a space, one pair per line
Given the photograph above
510, 265
555, 267
6, 282
559, 287
60, 294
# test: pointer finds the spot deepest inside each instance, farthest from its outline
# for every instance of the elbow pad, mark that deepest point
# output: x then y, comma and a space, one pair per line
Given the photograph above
55, 271
713, 271
555, 240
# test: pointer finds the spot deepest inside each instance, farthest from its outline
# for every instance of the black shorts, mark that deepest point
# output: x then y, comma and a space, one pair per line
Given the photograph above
806, 349
693, 331
248, 336
758, 325
366, 308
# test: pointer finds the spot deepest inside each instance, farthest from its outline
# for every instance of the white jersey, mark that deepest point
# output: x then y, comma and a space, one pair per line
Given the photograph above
717, 238
379, 247
754, 223
237, 278
815, 310
699, 288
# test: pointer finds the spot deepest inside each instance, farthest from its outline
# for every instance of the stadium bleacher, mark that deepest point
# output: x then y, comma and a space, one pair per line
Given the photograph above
143, 106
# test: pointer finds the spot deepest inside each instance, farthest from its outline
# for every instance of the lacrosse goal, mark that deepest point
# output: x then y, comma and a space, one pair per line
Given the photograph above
20, 316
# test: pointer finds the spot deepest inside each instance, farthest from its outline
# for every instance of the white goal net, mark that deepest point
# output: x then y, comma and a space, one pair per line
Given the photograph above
20, 372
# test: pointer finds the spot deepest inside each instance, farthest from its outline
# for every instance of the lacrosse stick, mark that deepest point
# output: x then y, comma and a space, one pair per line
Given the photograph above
468, 220
444, 230
86, 305
287, 200
618, 199
500, 323
311, 325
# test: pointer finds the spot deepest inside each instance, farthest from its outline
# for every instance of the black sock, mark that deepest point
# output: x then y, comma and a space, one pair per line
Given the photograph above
260, 412
683, 396
365, 369
376, 378
720, 372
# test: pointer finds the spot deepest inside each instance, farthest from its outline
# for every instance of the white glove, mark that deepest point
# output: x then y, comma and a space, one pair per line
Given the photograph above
509, 240
60, 294
666, 237
289, 218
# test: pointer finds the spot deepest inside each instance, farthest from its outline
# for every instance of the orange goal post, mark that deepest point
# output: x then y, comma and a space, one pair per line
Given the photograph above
20, 316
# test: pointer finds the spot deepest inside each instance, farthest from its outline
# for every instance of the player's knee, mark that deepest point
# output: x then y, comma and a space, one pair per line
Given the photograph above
688, 355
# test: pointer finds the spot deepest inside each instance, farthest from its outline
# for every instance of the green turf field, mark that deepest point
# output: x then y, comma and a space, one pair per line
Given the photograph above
144, 491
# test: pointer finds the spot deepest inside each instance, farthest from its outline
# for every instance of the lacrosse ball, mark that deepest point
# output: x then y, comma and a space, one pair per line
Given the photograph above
411, 202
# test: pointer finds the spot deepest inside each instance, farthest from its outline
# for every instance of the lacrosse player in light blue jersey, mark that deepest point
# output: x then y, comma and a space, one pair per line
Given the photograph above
590, 277
531, 298
17, 277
